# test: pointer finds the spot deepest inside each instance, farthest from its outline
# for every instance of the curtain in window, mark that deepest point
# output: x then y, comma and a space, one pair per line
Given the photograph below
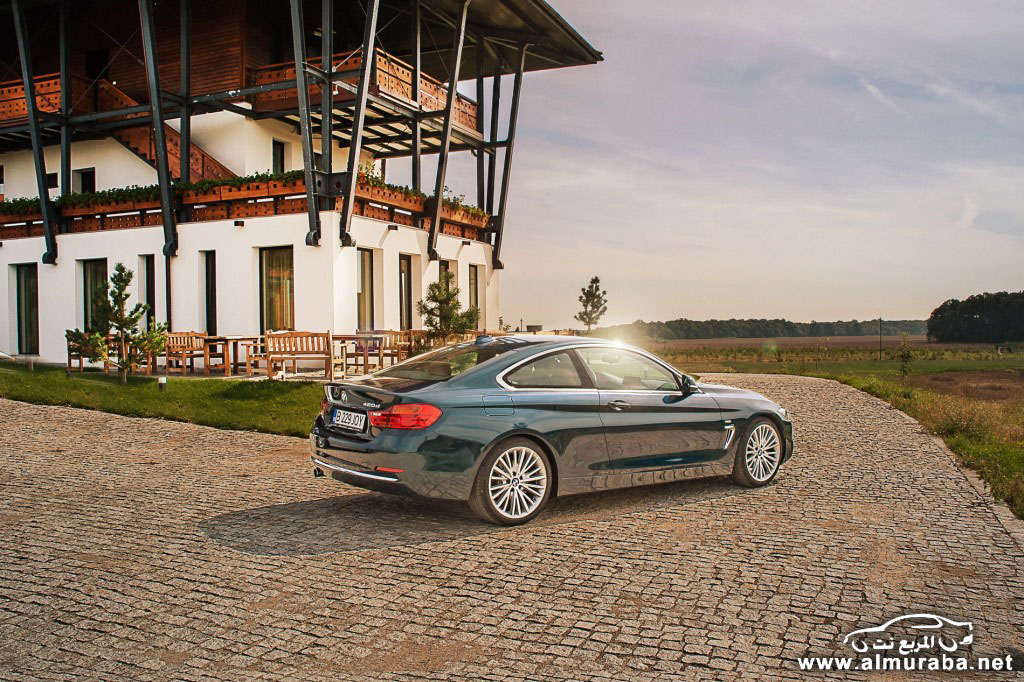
277, 289
94, 276
28, 309
364, 291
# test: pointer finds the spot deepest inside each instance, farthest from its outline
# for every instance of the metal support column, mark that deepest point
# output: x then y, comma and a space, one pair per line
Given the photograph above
163, 171
65, 104
185, 39
446, 131
492, 161
327, 96
480, 113
358, 118
499, 218
28, 79
305, 125
417, 138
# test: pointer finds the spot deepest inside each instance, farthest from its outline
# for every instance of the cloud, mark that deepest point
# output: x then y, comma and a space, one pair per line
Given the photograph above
966, 220
877, 94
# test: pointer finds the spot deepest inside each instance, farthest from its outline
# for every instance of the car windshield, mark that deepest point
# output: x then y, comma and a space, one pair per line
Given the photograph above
446, 363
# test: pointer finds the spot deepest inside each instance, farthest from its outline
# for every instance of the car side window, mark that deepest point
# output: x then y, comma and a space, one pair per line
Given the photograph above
621, 370
555, 370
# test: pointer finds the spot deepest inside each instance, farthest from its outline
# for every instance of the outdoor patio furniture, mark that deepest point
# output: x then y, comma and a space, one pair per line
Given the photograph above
183, 348
288, 347
364, 353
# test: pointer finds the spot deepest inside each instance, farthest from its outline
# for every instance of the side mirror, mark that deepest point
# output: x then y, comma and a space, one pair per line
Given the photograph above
689, 385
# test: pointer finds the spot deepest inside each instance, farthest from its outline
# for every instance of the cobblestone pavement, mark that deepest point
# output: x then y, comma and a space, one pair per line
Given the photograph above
142, 549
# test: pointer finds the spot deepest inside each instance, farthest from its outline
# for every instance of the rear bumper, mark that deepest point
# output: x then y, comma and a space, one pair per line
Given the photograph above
355, 462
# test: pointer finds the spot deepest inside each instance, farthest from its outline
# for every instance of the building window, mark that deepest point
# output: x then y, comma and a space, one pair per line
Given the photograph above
405, 291
277, 156
364, 291
210, 289
277, 289
51, 181
27, 278
475, 299
94, 294
444, 266
149, 289
1, 180
83, 180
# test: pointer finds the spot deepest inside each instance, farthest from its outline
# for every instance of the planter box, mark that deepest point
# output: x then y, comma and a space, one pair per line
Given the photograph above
151, 203
277, 188
251, 190
117, 207
390, 197
78, 210
22, 218
464, 217
91, 224
202, 197
153, 218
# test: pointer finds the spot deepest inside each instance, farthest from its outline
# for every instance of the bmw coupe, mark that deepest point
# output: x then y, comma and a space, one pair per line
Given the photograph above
506, 423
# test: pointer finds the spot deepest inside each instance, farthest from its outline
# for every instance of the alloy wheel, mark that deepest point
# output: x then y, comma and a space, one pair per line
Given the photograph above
762, 453
517, 482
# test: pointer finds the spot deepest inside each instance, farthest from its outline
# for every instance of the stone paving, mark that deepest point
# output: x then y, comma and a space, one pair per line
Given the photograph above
142, 549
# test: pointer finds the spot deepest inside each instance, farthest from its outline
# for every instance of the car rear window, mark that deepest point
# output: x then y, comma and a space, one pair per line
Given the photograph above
443, 364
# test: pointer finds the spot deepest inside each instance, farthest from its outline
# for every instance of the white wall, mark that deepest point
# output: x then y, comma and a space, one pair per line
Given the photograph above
325, 276
115, 166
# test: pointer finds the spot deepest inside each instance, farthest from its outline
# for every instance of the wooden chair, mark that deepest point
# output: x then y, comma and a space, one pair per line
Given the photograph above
75, 355
182, 348
396, 346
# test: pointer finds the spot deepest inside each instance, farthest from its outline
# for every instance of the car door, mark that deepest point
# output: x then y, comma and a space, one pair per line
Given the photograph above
650, 422
553, 397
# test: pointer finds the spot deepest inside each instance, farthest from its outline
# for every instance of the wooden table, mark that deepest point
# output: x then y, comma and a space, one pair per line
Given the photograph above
230, 345
364, 340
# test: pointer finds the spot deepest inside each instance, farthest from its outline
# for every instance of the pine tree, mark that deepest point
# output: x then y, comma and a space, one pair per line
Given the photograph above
442, 313
117, 339
594, 301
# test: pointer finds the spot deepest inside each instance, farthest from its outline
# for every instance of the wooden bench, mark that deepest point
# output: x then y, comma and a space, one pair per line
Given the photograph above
181, 348
282, 348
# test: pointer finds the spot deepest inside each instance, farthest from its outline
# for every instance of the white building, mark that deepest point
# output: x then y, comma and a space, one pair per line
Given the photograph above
241, 264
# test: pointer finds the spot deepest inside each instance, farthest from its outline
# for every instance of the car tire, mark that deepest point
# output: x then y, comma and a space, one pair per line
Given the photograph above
513, 483
758, 454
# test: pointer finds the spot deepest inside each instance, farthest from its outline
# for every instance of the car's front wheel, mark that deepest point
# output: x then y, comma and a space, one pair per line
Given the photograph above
758, 454
513, 483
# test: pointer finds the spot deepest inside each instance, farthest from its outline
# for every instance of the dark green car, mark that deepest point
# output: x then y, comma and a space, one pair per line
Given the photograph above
508, 422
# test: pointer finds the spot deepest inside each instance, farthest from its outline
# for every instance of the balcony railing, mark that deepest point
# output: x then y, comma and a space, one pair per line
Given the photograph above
393, 77
14, 106
253, 200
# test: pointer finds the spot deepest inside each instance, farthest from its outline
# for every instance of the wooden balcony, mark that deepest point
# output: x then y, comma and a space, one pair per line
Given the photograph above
392, 78
14, 107
253, 200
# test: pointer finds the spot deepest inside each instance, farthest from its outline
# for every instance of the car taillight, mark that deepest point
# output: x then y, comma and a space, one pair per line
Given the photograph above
407, 416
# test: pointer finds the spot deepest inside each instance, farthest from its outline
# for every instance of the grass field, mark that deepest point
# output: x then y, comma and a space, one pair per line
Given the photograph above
286, 407
970, 395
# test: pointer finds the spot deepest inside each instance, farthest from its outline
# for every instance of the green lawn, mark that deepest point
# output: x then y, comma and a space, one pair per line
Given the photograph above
285, 407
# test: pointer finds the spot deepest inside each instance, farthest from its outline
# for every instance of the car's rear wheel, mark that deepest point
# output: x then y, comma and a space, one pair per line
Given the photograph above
758, 454
513, 483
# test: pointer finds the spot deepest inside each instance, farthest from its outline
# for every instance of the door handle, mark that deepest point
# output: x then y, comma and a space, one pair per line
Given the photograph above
619, 405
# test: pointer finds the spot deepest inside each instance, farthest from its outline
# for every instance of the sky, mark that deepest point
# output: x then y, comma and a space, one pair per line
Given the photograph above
806, 160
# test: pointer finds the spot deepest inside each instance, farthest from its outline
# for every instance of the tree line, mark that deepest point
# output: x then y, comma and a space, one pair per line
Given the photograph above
760, 328
982, 318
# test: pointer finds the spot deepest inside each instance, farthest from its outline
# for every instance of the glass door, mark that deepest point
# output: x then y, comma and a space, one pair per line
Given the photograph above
405, 291
27, 276
277, 289
364, 291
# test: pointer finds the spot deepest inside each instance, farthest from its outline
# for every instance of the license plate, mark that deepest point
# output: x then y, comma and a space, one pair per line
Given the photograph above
349, 420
